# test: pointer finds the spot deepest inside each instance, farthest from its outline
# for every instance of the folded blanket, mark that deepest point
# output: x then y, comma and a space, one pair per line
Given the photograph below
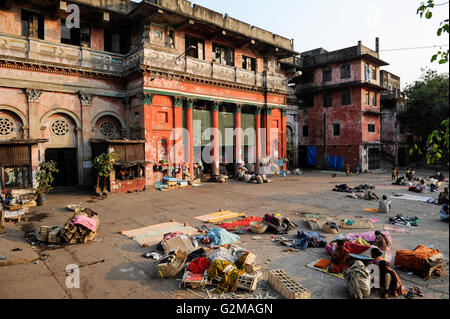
90, 223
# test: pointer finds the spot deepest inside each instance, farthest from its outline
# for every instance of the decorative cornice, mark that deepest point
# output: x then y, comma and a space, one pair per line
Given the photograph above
178, 101
148, 99
33, 95
86, 99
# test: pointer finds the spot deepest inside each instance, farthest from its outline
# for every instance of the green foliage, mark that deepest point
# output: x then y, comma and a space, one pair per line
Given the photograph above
425, 9
426, 107
437, 143
104, 164
45, 177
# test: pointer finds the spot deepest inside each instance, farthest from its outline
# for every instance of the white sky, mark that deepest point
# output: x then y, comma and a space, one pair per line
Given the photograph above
336, 24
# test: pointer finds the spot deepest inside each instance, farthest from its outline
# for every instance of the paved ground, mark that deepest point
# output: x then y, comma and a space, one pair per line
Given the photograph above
126, 274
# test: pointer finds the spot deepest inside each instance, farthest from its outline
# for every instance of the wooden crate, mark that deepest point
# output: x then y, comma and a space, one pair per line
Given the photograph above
287, 286
249, 282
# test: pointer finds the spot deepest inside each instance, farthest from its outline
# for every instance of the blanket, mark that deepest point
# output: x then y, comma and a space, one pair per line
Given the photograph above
85, 221
416, 259
311, 239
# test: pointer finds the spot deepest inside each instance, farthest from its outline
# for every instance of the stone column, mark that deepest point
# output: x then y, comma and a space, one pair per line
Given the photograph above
258, 138
177, 132
146, 134
86, 133
34, 116
284, 137
190, 128
34, 131
216, 145
238, 137
268, 126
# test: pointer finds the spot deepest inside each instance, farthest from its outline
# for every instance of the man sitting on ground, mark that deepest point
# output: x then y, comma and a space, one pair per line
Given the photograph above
385, 205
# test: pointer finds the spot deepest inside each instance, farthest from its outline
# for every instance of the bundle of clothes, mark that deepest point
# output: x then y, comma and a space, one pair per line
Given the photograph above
81, 227
423, 260
245, 176
404, 221
218, 237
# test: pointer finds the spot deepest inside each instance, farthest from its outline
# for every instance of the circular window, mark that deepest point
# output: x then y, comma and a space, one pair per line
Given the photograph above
107, 129
60, 127
6, 126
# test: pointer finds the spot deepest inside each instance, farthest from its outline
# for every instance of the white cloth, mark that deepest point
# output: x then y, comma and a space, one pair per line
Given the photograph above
385, 206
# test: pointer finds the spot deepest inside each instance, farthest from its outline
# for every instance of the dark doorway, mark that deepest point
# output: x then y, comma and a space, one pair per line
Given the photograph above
66, 162
402, 156
303, 156
374, 158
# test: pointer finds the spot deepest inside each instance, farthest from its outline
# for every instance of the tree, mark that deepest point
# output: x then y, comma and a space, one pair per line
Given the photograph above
104, 165
426, 108
426, 9
437, 144
44, 177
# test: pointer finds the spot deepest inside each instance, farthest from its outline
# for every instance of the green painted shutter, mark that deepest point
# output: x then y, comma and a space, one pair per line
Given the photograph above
248, 121
226, 121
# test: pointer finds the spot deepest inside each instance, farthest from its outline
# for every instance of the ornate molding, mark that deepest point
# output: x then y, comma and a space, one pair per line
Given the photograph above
148, 99
86, 99
190, 103
33, 95
178, 101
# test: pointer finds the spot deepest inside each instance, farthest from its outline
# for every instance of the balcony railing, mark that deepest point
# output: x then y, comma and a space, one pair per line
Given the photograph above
57, 54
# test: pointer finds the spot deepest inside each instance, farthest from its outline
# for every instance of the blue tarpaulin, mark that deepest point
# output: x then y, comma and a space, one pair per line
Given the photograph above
312, 155
335, 162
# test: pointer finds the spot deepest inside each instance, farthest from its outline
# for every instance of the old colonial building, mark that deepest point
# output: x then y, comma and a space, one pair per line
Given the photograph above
340, 118
394, 131
124, 79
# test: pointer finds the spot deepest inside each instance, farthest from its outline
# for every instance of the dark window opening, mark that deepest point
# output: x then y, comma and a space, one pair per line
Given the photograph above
117, 42
223, 55
336, 129
249, 63
372, 128
345, 71
374, 99
374, 74
327, 77
327, 99
32, 24
346, 97
308, 77
367, 98
194, 47
305, 131
76, 36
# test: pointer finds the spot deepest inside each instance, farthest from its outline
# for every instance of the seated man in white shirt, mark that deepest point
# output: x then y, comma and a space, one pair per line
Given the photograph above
385, 205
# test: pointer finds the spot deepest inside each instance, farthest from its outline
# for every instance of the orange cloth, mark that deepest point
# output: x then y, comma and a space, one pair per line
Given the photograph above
323, 264
415, 259
339, 260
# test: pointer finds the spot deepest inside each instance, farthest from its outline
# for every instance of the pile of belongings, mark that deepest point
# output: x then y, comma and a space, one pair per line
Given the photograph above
240, 225
221, 178
16, 207
245, 176
344, 188
309, 240
423, 260
170, 182
218, 237
81, 227
278, 225
404, 221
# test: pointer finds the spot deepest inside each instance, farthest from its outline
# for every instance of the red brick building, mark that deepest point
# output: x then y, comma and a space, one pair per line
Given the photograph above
124, 80
339, 95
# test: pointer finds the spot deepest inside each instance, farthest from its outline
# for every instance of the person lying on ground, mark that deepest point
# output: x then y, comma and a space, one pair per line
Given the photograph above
419, 188
339, 258
382, 242
369, 194
385, 205
400, 181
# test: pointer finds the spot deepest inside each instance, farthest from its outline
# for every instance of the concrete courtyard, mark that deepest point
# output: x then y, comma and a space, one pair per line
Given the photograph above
113, 266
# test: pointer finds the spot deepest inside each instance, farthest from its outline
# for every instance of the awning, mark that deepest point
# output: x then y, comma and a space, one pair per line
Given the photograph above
23, 142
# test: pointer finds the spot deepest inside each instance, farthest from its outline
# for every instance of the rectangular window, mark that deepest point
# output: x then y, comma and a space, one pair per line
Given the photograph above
372, 128
367, 98
308, 77
327, 77
337, 129
305, 130
249, 63
346, 97
374, 74
32, 24
223, 55
367, 72
374, 99
117, 41
327, 99
76, 36
345, 71
195, 48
